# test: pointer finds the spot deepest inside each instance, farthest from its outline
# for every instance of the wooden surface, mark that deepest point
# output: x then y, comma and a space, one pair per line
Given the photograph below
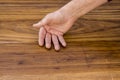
92, 53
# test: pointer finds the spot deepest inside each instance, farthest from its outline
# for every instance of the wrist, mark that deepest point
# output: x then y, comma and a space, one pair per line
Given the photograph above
69, 11
77, 8
72, 9
67, 16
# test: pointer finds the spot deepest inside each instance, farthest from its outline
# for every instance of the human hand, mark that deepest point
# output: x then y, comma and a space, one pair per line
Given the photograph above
52, 28
56, 24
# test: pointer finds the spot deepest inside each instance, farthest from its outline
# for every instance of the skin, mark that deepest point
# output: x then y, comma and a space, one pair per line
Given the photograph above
54, 25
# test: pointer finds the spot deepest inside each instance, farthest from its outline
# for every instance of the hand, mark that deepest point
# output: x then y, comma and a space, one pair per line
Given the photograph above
52, 28
56, 24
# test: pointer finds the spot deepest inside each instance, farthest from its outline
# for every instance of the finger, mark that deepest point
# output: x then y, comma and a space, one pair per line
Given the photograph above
42, 34
41, 23
53, 31
48, 40
61, 40
38, 25
55, 42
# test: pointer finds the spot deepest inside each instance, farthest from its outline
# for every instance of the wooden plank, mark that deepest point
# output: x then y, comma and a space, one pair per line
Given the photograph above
92, 53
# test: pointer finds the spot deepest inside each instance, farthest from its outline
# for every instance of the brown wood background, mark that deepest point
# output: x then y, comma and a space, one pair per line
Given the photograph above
92, 53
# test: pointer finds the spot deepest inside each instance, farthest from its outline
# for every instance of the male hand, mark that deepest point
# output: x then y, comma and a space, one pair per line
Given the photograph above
52, 28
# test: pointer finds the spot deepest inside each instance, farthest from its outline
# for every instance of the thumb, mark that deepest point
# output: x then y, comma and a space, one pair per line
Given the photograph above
41, 23
38, 25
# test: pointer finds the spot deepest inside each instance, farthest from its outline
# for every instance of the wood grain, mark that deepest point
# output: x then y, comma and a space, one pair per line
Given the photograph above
92, 53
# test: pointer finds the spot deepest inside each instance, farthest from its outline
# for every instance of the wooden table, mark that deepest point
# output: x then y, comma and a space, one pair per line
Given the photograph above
92, 53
